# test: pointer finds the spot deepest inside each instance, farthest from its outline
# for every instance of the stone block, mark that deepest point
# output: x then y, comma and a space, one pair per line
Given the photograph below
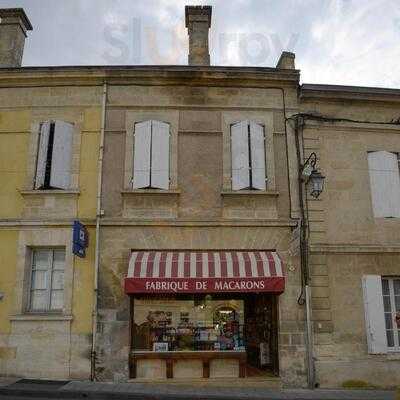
317, 259
320, 291
318, 270
323, 326
325, 350
92, 119
188, 369
297, 339
323, 338
224, 368
7, 353
322, 315
199, 121
321, 303
115, 120
319, 281
151, 369
284, 339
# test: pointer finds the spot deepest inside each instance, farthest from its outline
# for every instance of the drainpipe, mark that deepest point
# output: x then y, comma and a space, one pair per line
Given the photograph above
99, 213
304, 262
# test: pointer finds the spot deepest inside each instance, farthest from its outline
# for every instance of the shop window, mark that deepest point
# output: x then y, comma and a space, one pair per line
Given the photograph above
248, 156
54, 156
385, 183
151, 155
188, 324
47, 280
243, 326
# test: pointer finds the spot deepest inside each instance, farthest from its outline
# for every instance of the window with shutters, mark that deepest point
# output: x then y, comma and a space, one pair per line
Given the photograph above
391, 308
248, 156
385, 183
54, 156
151, 155
47, 280
382, 313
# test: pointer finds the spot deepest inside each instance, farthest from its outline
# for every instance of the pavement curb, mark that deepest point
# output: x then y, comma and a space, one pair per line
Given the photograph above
120, 395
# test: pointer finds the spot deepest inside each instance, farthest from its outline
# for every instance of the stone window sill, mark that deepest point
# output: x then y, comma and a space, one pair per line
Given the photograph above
393, 355
150, 192
271, 193
40, 317
38, 192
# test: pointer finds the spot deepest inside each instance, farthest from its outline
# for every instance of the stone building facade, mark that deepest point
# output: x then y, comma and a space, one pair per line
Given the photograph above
348, 240
344, 247
44, 338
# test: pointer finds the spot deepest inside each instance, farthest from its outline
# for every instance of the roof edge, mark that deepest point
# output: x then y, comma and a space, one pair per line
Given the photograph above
308, 90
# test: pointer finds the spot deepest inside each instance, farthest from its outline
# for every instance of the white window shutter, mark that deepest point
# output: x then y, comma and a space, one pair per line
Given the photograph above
257, 147
61, 162
385, 183
42, 154
160, 155
240, 156
394, 178
374, 314
141, 157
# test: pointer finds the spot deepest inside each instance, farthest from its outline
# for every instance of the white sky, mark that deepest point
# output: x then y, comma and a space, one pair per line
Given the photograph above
349, 42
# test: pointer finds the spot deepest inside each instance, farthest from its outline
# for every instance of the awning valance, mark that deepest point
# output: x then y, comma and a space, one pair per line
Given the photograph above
204, 272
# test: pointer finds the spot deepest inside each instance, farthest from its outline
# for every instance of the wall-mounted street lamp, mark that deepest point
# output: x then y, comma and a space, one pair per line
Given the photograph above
312, 177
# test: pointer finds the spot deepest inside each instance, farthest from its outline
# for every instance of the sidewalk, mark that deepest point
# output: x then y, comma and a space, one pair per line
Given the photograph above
143, 391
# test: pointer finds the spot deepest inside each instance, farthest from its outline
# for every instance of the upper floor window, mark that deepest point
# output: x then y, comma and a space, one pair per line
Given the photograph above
47, 280
151, 155
248, 156
54, 157
385, 183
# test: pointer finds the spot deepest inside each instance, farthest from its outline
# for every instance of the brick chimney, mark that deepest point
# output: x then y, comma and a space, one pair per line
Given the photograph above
198, 22
14, 25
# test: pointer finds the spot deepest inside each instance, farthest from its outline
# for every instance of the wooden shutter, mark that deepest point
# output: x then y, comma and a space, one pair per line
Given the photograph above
160, 155
385, 183
374, 314
257, 147
141, 157
61, 162
42, 154
240, 156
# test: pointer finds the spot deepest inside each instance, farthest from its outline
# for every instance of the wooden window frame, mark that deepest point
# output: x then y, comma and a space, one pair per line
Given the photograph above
396, 332
49, 289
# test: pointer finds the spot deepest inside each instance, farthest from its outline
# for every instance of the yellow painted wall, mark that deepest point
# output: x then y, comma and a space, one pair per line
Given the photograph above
82, 301
15, 131
14, 141
88, 163
8, 257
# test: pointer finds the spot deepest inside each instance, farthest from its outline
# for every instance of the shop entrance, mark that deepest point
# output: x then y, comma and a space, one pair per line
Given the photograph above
261, 334
203, 336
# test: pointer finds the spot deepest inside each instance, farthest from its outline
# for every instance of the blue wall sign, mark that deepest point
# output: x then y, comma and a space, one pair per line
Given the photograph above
80, 239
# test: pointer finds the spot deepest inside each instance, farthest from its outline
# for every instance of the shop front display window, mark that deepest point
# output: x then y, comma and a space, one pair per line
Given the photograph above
188, 324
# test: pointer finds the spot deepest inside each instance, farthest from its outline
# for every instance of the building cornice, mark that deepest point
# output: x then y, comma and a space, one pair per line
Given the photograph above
338, 93
353, 248
148, 75
127, 222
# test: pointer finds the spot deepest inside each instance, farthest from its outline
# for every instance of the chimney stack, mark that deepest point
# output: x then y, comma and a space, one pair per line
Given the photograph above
286, 60
198, 22
14, 25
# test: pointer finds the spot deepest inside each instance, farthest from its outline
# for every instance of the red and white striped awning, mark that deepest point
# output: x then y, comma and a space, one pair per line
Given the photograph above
204, 271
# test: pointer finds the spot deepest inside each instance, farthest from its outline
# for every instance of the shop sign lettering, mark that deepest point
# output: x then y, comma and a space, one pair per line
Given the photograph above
203, 285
